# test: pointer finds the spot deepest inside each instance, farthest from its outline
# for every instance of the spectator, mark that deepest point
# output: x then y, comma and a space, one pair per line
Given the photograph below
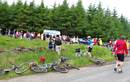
100, 42
50, 44
90, 45
58, 44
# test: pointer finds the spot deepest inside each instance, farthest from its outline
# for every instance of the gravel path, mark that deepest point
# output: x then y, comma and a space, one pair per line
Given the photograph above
89, 74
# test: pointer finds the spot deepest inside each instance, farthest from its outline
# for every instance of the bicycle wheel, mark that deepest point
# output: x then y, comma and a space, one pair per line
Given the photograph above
60, 69
39, 69
22, 68
69, 66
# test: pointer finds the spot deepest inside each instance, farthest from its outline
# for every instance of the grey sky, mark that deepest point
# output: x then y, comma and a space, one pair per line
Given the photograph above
122, 6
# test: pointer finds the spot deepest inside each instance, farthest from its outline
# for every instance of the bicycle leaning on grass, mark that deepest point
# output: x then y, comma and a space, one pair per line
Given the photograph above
63, 66
58, 66
18, 69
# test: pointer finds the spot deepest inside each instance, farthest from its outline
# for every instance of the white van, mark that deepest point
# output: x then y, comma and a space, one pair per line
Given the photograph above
51, 32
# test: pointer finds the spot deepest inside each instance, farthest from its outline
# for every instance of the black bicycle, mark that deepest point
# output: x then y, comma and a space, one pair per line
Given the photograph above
63, 66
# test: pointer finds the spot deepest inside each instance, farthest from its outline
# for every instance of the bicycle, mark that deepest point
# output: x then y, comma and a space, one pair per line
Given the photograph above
56, 66
43, 68
38, 68
69, 67
18, 69
97, 61
63, 66
59, 68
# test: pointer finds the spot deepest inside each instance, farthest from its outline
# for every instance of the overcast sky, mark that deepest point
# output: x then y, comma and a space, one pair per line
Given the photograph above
122, 6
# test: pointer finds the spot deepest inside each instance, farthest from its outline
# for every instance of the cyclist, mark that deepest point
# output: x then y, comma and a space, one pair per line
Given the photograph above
120, 49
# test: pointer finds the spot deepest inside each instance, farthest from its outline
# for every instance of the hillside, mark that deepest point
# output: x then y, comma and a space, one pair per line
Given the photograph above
9, 46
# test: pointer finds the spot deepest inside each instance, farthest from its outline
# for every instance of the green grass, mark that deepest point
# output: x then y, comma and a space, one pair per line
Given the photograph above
8, 43
104, 53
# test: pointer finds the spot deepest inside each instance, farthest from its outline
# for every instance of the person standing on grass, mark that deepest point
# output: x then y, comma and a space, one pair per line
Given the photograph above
90, 45
100, 42
58, 44
120, 49
50, 44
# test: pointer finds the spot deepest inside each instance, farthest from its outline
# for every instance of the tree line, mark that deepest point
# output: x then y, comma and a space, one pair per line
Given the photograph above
75, 20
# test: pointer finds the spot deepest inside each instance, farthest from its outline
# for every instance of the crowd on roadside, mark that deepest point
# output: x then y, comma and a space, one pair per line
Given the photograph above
65, 39
33, 35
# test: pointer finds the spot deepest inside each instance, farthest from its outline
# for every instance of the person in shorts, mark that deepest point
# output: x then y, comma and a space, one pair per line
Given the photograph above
120, 49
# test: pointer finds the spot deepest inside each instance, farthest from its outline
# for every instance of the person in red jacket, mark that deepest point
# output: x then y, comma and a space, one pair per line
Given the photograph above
120, 49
